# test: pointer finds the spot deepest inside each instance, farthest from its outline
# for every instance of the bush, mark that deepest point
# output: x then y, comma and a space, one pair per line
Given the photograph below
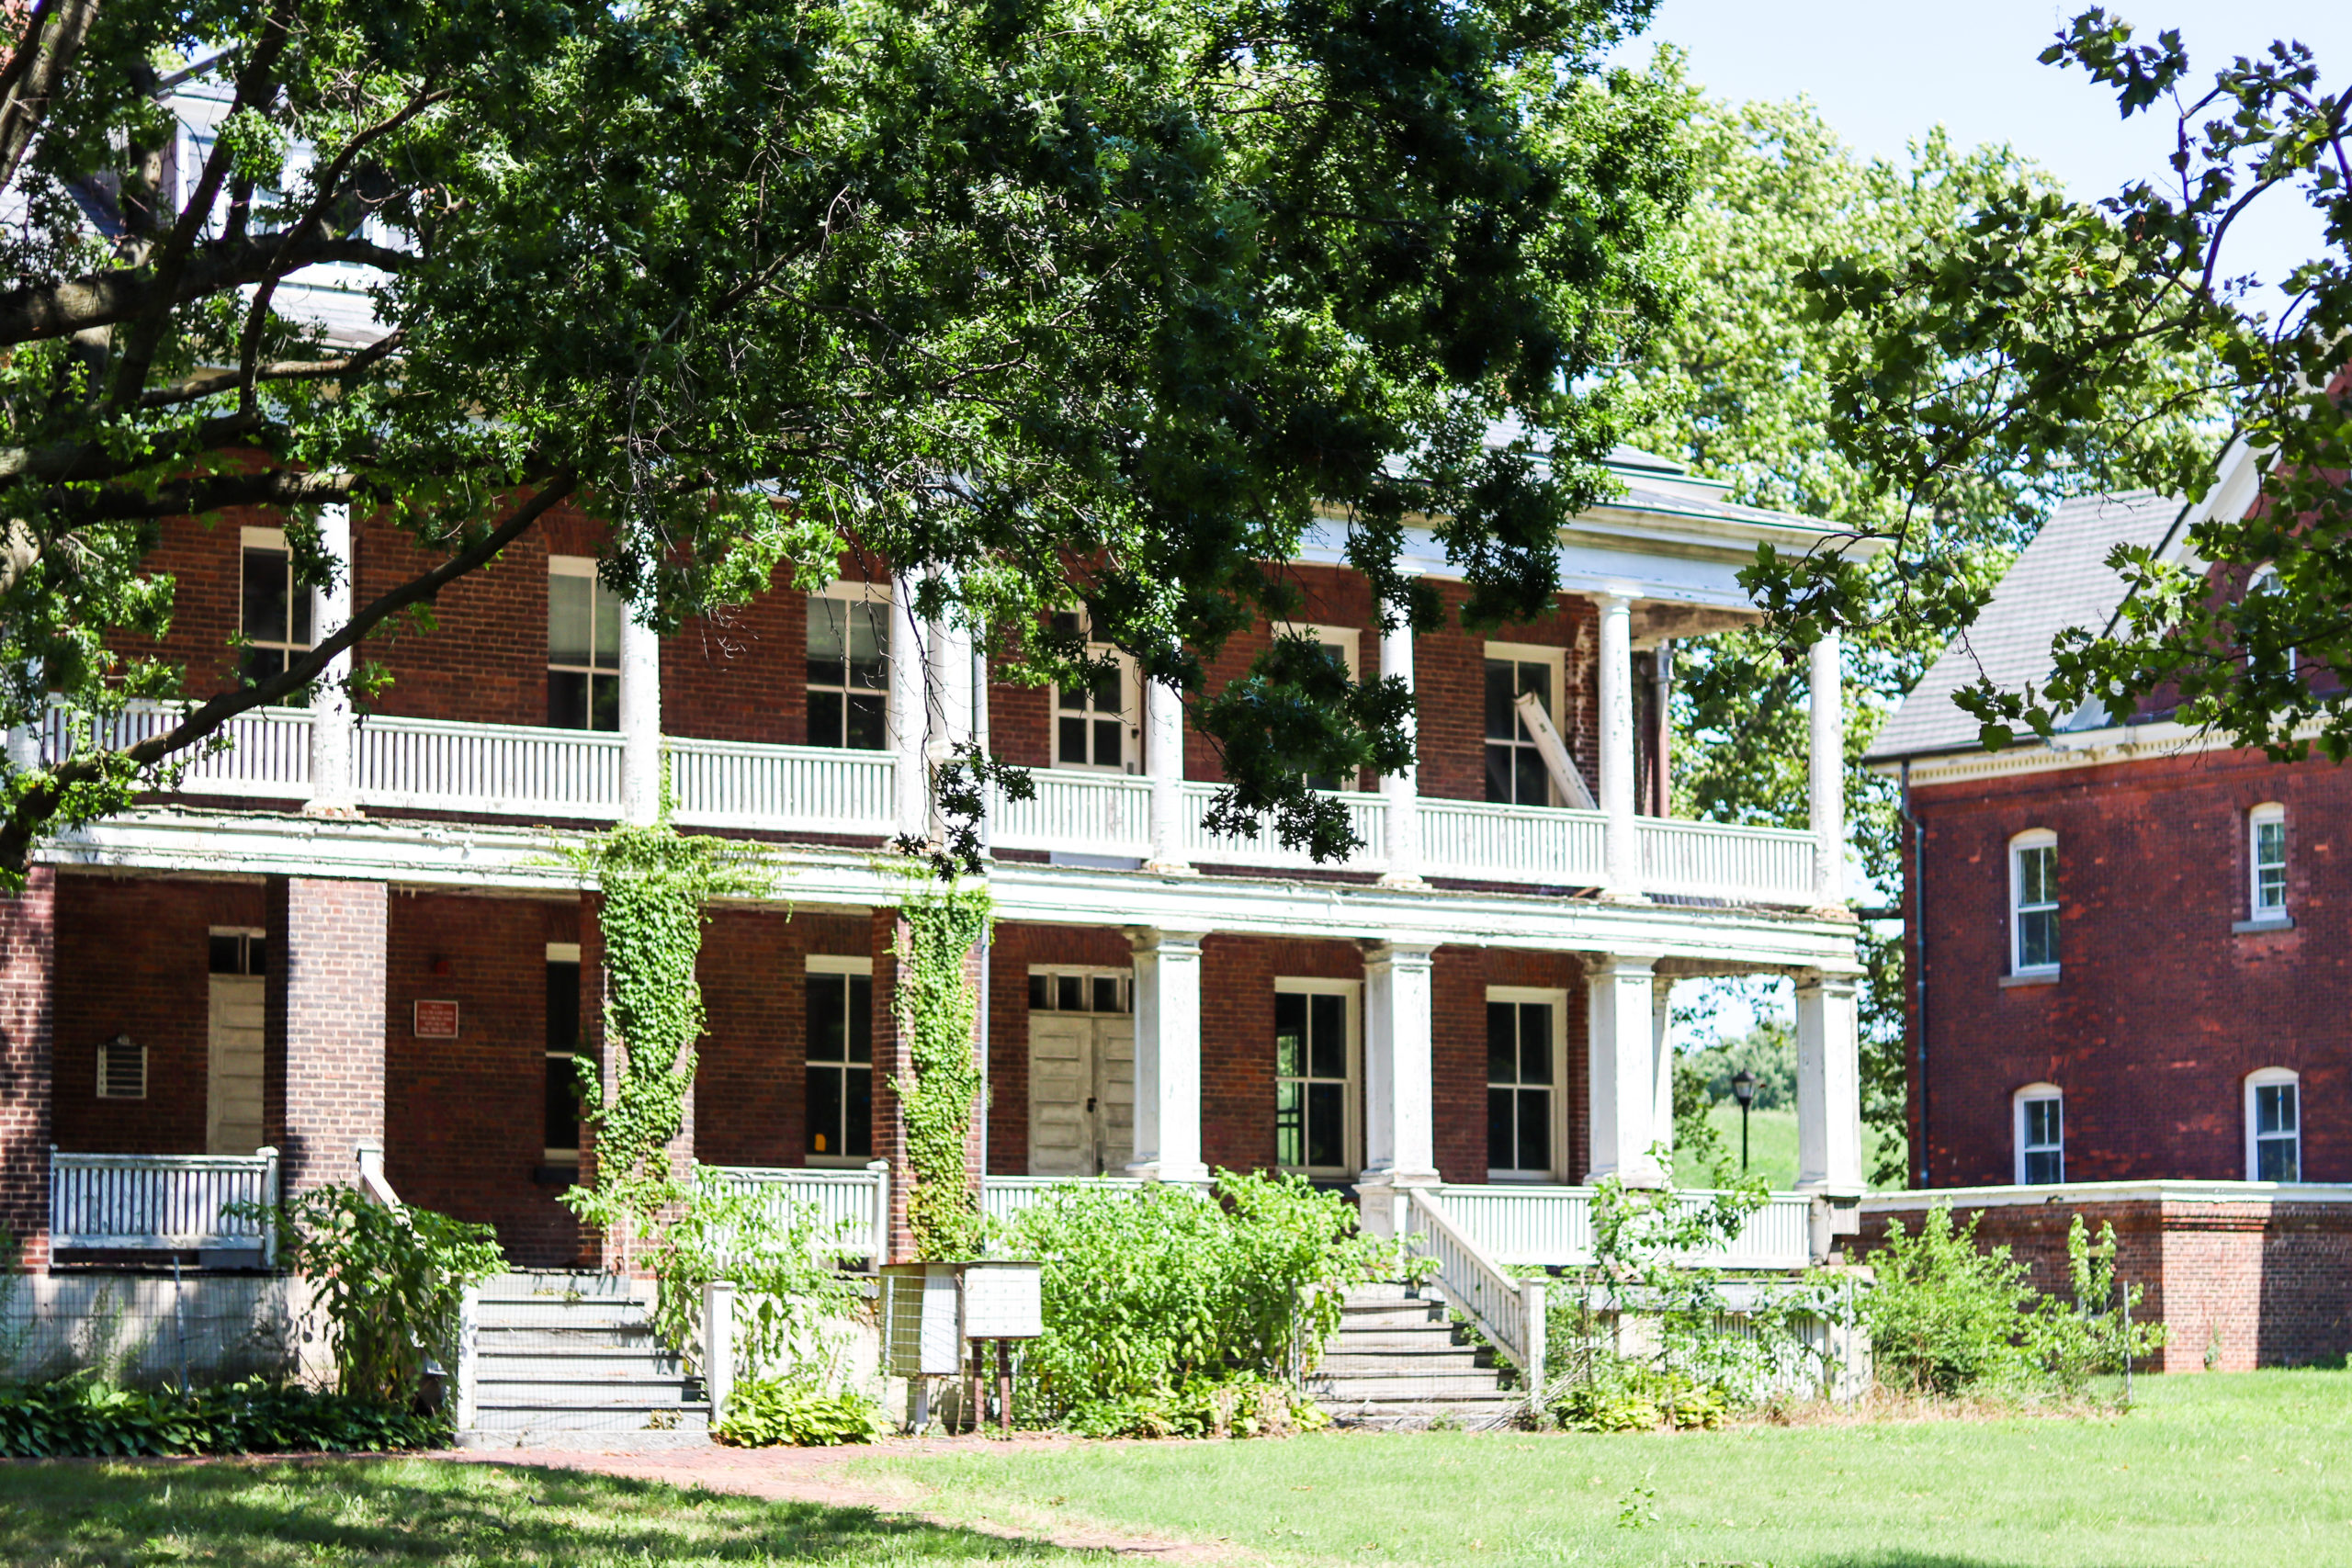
1627, 1396
79, 1419
1242, 1406
769, 1413
1153, 1296
789, 1296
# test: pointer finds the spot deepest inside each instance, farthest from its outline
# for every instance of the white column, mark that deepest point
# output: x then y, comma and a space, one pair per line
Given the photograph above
1400, 793
1168, 1057
1623, 851
1163, 762
1400, 1122
1662, 1060
1829, 1086
1827, 764
909, 709
947, 706
640, 720
1622, 1024
333, 787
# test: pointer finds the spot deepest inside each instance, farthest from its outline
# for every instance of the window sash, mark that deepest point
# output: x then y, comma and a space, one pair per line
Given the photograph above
1313, 1080
2042, 1140
2036, 906
1515, 772
2270, 864
848, 672
838, 1107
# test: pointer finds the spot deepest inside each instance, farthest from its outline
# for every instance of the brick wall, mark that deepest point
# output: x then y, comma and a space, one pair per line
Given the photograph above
28, 993
1458, 1007
134, 958
2237, 1284
323, 1020
2161, 1010
750, 1088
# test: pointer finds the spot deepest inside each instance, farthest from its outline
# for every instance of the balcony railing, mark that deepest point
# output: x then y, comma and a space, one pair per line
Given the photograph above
416, 764
1525, 1225
161, 1203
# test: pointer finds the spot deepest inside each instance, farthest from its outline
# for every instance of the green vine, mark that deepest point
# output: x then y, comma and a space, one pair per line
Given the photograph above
655, 883
937, 1009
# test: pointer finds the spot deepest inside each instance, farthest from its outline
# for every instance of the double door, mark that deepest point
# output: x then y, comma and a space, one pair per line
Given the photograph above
1081, 1094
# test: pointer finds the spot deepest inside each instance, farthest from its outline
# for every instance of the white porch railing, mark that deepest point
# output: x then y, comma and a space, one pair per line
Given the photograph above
1095, 814
1476, 842
1721, 859
428, 764
850, 1203
809, 789
161, 1203
1003, 1197
1508, 1311
267, 757
1367, 819
1518, 1226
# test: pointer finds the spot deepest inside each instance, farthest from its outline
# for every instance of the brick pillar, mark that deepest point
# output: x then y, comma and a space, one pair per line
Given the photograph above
27, 1011
323, 1087
593, 996
893, 1060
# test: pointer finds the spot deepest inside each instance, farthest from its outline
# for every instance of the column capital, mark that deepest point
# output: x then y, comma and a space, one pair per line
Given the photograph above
1601, 965
1409, 954
1836, 982
1153, 939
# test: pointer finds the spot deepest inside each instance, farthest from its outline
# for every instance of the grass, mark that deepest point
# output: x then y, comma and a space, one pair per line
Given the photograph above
2251, 1468
1772, 1143
415, 1513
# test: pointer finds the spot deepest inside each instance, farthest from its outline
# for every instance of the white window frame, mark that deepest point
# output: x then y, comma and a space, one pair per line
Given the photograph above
559, 952
2272, 1077
2034, 1094
1558, 1002
2269, 814
1089, 973
108, 1049
1130, 715
2020, 847
1526, 653
584, 566
833, 964
857, 592
1352, 1095
254, 538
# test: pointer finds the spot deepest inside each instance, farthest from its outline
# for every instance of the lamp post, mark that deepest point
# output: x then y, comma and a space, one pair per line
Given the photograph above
1743, 1090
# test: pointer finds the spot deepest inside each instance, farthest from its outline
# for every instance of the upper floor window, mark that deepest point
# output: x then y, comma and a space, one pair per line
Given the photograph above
2040, 1135
1340, 640
273, 610
2265, 831
849, 668
1098, 725
2033, 903
1515, 772
2265, 580
1314, 1069
2274, 1126
1522, 1076
583, 647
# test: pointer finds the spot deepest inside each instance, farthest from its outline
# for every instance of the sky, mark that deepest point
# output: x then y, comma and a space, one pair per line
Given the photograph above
1884, 70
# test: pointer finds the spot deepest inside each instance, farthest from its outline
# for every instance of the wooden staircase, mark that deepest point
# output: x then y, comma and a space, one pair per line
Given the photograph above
570, 1360
1398, 1363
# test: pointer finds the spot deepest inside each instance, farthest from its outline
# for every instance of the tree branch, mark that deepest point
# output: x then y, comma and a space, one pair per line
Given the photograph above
34, 75
97, 299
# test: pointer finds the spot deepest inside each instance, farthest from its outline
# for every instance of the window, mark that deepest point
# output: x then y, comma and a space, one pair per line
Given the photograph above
583, 647
1515, 771
1078, 990
1522, 1071
123, 1069
2267, 857
849, 668
2265, 580
560, 1140
1314, 1075
841, 1059
1096, 724
2033, 901
2274, 1126
2040, 1135
1340, 640
274, 611
237, 951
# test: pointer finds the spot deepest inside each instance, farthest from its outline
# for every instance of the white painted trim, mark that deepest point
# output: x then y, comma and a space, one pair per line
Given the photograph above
249, 536
1351, 1098
571, 566
2020, 843
856, 590
1561, 1089
839, 963
1961, 1199
2270, 1077
2261, 816
563, 953
2035, 1093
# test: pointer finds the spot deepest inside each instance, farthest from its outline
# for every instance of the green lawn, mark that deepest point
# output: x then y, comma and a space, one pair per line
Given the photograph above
2248, 1469
426, 1514
1772, 1143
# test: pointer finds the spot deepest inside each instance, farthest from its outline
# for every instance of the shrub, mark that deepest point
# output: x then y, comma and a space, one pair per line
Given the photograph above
1150, 1293
789, 1296
1627, 1396
1241, 1407
1944, 1317
390, 1281
83, 1419
769, 1413
2073, 1341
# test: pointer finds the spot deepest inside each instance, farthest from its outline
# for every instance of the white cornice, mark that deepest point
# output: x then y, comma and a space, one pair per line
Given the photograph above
2107, 1192
523, 860
2087, 748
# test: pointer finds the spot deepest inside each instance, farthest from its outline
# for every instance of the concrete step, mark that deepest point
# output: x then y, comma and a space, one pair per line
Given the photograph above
566, 1418
1341, 1362
507, 1338
1366, 1341
585, 1356
527, 1314
1381, 1291
1390, 1314
567, 1387
1472, 1386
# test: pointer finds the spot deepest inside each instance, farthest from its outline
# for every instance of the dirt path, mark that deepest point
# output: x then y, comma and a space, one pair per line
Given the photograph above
821, 1475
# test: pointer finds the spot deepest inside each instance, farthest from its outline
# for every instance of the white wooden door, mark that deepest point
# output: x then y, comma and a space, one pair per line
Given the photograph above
1081, 1094
233, 1072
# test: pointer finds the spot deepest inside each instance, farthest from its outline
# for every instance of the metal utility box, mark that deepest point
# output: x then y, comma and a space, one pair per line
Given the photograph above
1003, 1300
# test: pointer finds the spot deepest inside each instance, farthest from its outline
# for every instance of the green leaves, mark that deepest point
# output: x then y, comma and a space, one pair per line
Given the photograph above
937, 1007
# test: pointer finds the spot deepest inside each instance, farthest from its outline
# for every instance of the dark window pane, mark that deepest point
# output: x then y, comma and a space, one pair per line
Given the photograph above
2044, 1122
857, 1113
225, 956
1073, 739
827, 1031
567, 698
827, 640
604, 710
1330, 1042
261, 663
1502, 1026
1106, 993
563, 1006
869, 646
1040, 992
571, 638
1535, 681
1290, 1131
825, 1111
2038, 938
256, 955
1502, 724
263, 614
1070, 993
1534, 1130
1499, 1128
1290, 1036
1104, 690
1535, 1042
299, 613
1070, 699
868, 723
825, 718
861, 1019
2045, 1168
1531, 778
563, 1104
1106, 742
2274, 1109
1323, 781
2276, 1160
1498, 766
1325, 1123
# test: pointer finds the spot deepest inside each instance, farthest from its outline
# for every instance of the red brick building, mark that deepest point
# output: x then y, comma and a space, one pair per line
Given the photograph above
349, 934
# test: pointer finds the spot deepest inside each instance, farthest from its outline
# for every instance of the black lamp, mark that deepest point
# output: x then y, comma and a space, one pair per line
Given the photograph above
1743, 1090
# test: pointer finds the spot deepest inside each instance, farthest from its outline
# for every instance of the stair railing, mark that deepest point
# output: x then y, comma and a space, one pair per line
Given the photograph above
1507, 1310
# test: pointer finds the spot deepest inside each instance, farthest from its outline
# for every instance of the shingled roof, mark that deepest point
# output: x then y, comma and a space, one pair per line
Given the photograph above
2060, 581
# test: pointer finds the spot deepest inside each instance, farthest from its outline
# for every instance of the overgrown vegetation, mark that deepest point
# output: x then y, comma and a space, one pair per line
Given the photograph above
792, 1302
937, 1009
81, 1417
1163, 1308
766, 1413
387, 1280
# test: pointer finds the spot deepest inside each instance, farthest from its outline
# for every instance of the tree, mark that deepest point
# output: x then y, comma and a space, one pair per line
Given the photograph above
1037, 301
2114, 345
1743, 385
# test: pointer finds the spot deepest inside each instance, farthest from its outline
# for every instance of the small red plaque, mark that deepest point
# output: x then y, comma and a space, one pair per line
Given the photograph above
436, 1021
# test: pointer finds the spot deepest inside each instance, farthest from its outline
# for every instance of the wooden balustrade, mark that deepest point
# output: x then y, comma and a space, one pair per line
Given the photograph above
161, 1203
